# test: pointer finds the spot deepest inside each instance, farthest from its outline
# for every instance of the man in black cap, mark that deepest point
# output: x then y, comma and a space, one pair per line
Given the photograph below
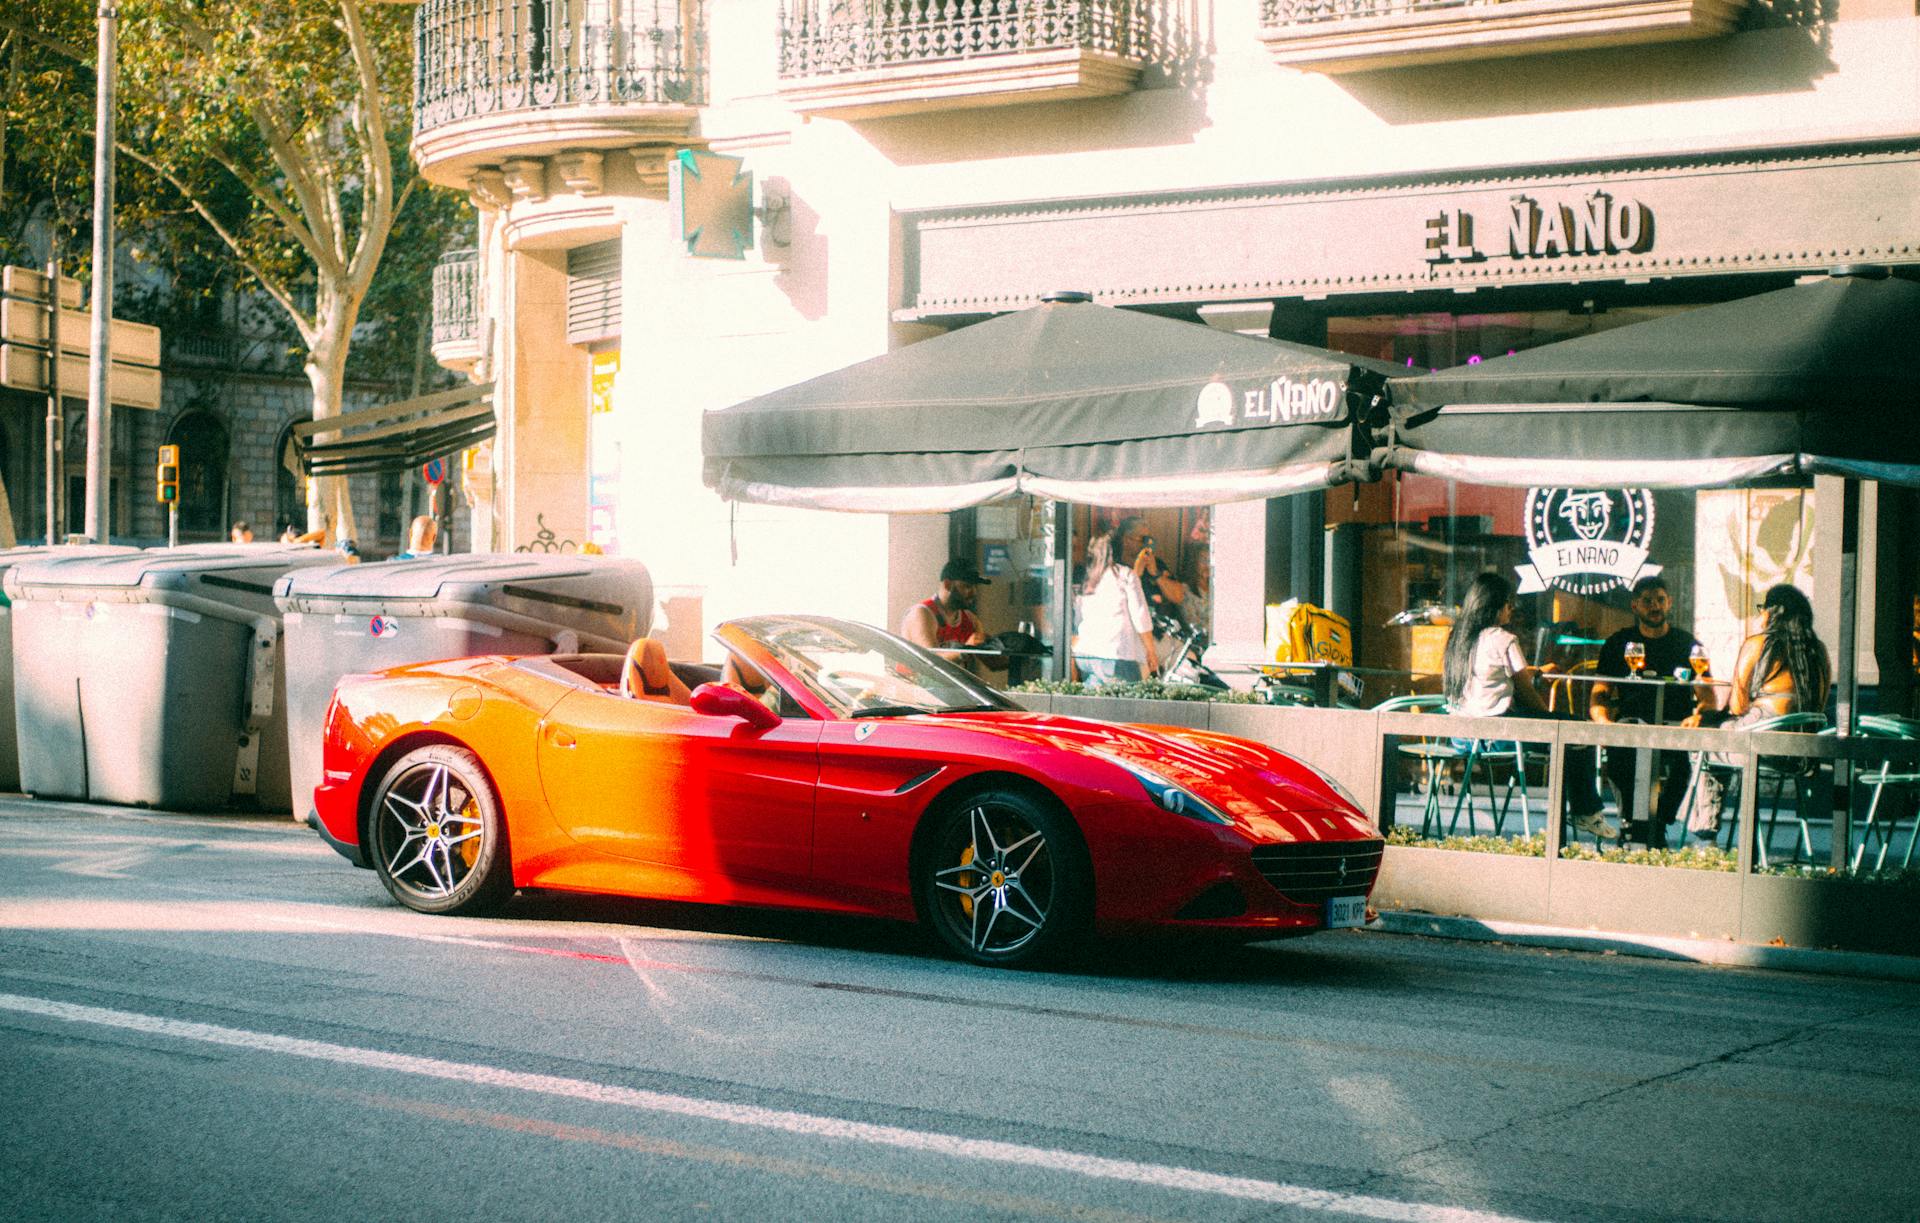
946, 621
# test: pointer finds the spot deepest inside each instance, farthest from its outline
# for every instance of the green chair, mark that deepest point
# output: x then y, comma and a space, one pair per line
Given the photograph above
1434, 754
1483, 755
1887, 726
1794, 770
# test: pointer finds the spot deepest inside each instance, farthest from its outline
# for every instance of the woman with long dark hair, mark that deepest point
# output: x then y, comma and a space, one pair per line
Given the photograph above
1487, 676
1783, 668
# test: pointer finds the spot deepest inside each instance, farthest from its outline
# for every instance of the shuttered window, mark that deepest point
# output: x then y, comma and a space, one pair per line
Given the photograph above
593, 292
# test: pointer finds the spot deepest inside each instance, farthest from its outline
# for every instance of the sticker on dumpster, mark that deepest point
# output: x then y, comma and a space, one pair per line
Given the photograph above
383, 626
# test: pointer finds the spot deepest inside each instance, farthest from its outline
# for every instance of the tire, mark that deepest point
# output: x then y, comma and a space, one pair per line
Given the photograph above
438, 838
1003, 879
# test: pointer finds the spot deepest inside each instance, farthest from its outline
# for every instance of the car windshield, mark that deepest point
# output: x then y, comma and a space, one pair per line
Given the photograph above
858, 671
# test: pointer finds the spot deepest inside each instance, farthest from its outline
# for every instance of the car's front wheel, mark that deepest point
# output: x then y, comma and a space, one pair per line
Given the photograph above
1003, 880
439, 839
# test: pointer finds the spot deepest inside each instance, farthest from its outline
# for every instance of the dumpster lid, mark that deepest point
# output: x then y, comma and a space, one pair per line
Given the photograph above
461, 576
165, 566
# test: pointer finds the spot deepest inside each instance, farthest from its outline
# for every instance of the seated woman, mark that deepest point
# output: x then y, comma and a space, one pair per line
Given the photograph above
1781, 669
645, 675
1487, 676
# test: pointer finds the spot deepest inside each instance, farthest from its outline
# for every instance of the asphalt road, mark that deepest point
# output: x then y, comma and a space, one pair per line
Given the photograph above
211, 1017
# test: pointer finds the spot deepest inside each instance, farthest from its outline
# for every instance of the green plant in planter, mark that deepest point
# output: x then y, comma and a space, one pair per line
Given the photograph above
1907, 878
1524, 847
1698, 858
1137, 690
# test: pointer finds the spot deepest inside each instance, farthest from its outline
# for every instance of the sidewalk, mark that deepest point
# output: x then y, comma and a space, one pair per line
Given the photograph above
1653, 946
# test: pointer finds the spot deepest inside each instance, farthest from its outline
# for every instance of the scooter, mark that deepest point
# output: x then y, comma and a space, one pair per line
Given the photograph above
1181, 649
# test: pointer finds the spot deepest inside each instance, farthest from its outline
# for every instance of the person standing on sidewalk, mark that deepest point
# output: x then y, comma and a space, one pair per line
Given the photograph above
1665, 651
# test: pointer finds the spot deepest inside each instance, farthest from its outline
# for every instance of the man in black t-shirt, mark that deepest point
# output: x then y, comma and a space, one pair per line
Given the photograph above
1668, 649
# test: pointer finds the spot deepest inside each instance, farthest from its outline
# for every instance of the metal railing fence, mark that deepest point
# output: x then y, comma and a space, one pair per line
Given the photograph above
477, 57
825, 37
456, 297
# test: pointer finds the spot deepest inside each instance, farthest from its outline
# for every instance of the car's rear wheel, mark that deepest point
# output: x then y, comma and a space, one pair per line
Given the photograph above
439, 839
1002, 879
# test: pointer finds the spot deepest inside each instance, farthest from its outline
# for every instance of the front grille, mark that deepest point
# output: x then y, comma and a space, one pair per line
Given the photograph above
1308, 872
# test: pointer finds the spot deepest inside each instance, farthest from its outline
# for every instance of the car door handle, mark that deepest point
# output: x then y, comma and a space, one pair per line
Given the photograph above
559, 737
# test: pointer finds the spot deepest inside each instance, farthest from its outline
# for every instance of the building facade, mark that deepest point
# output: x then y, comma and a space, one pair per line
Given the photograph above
1422, 181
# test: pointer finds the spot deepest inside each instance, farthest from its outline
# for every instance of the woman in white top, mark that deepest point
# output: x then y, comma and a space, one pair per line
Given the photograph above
1487, 676
1116, 626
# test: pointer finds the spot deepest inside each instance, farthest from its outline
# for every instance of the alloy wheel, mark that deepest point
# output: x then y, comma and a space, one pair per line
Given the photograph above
998, 894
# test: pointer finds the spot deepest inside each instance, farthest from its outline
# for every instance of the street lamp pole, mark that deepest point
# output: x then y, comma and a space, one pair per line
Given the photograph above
56, 413
100, 361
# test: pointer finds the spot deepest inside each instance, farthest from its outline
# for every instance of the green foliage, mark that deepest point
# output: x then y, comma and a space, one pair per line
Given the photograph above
1138, 690
1691, 857
263, 148
1524, 847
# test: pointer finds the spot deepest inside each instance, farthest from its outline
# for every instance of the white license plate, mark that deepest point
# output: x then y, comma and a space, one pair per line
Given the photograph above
1345, 911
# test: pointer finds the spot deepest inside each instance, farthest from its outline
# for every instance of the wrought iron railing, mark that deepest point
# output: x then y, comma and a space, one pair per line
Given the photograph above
476, 57
456, 297
1281, 14
824, 37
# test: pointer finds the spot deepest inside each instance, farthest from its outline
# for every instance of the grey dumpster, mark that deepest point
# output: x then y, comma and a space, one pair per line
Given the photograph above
154, 677
353, 618
9, 740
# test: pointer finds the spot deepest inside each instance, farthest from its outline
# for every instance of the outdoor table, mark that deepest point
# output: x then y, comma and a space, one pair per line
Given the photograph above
1643, 757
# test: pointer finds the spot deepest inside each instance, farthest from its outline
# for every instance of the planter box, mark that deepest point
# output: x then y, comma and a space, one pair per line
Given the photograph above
1451, 883
1845, 913
1663, 900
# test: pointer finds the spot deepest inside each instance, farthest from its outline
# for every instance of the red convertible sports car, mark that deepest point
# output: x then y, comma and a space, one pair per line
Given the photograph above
830, 766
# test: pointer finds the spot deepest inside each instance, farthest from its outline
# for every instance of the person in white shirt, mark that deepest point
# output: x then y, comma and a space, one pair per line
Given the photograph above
1487, 676
1116, 625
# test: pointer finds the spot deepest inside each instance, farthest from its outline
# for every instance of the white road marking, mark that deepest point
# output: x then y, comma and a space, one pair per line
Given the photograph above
1158, 1176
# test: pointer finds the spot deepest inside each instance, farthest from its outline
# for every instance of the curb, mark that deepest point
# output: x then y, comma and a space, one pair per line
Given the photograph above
1699, 951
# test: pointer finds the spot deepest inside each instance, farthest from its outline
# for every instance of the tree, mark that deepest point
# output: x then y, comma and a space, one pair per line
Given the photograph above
279, 125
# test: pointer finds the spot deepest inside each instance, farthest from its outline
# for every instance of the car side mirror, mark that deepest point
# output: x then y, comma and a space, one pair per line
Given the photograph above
722, 701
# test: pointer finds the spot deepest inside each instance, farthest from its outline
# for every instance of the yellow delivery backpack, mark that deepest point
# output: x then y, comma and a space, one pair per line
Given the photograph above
1301, 632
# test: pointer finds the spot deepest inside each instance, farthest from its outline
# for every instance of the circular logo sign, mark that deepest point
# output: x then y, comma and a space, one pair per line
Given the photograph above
1587, 541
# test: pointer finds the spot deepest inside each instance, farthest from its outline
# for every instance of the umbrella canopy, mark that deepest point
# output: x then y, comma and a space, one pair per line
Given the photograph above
1067, 400
1816, 378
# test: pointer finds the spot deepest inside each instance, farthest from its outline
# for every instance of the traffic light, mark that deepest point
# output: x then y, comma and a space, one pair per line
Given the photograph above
167, 476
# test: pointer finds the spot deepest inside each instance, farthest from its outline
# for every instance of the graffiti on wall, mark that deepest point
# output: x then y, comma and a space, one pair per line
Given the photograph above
544, 540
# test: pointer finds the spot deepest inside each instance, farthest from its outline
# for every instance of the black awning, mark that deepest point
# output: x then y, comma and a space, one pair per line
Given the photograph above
1067, 400
1819, 378
396, 436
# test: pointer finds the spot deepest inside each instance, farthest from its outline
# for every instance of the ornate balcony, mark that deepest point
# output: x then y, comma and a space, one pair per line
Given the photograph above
456, 309
500, 80
863, 59
1359, 35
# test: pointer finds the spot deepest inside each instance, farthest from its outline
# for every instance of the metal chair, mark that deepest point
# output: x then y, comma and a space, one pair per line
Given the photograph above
1887, 726
1434, 754
1486, 753
1797, 772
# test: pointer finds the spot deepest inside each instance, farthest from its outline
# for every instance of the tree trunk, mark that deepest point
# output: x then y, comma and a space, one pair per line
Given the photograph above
329, 500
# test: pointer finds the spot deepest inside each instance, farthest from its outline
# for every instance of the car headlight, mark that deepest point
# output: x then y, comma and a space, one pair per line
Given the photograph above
1170, 797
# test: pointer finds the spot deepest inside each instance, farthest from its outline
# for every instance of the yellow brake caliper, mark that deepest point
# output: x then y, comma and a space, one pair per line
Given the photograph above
470, 850
966, 881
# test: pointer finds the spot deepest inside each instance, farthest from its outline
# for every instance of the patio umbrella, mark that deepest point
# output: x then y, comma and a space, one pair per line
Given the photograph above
1819, 378
1067, 400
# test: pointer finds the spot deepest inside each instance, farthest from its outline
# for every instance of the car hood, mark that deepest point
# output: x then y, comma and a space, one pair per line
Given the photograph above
1261, 789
